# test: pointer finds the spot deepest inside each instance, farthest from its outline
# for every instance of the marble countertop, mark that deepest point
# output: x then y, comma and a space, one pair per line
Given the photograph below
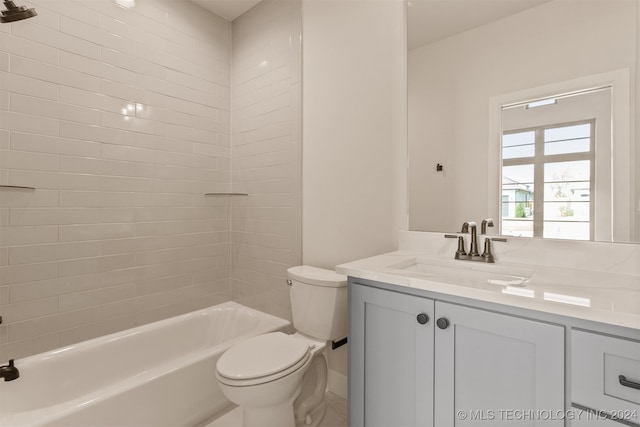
600, 296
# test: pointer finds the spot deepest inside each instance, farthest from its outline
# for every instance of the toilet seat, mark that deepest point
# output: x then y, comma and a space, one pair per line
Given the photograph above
262, 359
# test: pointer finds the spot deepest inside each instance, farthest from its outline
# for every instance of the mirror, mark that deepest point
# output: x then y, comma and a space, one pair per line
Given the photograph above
472, 63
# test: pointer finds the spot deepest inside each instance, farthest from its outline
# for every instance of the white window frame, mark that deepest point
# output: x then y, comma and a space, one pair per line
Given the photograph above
618, 225
540, 159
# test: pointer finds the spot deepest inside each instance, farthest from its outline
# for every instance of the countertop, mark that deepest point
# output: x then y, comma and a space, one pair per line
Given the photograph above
598, 296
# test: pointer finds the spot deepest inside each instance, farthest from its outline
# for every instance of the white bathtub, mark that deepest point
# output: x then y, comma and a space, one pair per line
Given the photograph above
160, 374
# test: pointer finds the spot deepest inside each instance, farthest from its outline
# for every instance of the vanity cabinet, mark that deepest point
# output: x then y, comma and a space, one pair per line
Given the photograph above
606, 375
390, 358
416, 361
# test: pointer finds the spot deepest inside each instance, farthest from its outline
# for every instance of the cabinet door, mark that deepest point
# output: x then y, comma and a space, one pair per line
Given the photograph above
390, 359
497, 370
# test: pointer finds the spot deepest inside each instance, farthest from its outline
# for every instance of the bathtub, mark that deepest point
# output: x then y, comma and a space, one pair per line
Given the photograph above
160, 374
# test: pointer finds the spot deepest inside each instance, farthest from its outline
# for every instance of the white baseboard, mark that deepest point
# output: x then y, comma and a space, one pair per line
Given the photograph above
337, 383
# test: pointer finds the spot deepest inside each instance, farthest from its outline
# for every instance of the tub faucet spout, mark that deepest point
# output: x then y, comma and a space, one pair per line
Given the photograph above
9, 372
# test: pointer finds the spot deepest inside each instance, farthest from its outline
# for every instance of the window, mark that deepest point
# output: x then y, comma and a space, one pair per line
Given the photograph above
547, 178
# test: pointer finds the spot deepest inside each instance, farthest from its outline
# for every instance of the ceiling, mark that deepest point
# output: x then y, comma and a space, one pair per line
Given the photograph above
228, 9
429, 20
433, 20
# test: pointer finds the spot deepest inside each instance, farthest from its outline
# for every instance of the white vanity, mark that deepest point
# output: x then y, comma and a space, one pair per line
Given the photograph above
523, 342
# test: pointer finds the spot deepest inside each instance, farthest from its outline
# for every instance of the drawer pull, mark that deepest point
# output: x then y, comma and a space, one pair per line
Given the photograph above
625, 382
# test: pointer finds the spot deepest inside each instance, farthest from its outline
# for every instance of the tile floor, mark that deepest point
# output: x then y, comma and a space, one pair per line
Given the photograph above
336, 415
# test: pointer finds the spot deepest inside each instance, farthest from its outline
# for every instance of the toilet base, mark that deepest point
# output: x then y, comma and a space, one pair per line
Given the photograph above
269, 416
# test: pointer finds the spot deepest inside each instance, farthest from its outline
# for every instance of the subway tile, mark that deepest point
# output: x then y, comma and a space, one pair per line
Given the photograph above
162, 256
96, 199
109, 183
132, 275
13, 236
82, 266
80, 300
4, 295
29, 310
29, 30
70, 233
94, 35
54, 181
16, 83
4, 256
4, 61
13, 274
4, 139
29, 123
162, 228
89, 132
54, 287
79, 80
164, 284
53, 145
189, 266
58, 216
54, 110
134, 244
50, 324
133, 124
52, 252
121, 90
133, 63
28, 198
75, 96
28, 161
4, 100
70, 8
30, 49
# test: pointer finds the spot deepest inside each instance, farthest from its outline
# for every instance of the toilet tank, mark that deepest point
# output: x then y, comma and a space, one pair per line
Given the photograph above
318, 302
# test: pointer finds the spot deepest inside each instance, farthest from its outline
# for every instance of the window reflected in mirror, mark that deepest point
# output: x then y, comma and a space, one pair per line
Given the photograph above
549, 165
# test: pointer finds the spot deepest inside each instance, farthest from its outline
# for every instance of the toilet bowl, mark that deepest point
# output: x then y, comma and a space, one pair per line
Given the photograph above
279, 379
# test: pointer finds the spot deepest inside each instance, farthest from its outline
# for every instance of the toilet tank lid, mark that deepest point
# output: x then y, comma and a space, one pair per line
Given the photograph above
317, 276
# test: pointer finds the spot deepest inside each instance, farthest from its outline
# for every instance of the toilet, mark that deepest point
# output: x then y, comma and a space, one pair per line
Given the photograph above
279, 379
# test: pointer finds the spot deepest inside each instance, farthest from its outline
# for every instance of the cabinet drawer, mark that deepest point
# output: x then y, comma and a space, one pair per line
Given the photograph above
605, 374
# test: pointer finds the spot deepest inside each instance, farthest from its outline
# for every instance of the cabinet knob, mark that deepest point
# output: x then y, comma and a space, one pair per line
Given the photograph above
442, 323
422, 318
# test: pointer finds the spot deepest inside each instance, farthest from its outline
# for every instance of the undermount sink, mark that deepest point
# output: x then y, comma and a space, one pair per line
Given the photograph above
462, 273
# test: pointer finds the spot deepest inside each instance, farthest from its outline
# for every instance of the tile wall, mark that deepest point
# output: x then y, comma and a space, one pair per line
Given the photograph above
120, 119
266, 154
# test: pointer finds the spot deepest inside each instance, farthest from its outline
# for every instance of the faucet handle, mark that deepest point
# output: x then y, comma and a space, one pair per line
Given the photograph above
460, 250
487, 255
488, 222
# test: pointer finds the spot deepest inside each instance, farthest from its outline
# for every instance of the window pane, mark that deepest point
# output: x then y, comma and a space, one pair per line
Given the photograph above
567, 191
567, 132
566, 211
518, 152
520, 174
566, 230
517, 228
568, 146
518, 210
579, 170
520, 138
